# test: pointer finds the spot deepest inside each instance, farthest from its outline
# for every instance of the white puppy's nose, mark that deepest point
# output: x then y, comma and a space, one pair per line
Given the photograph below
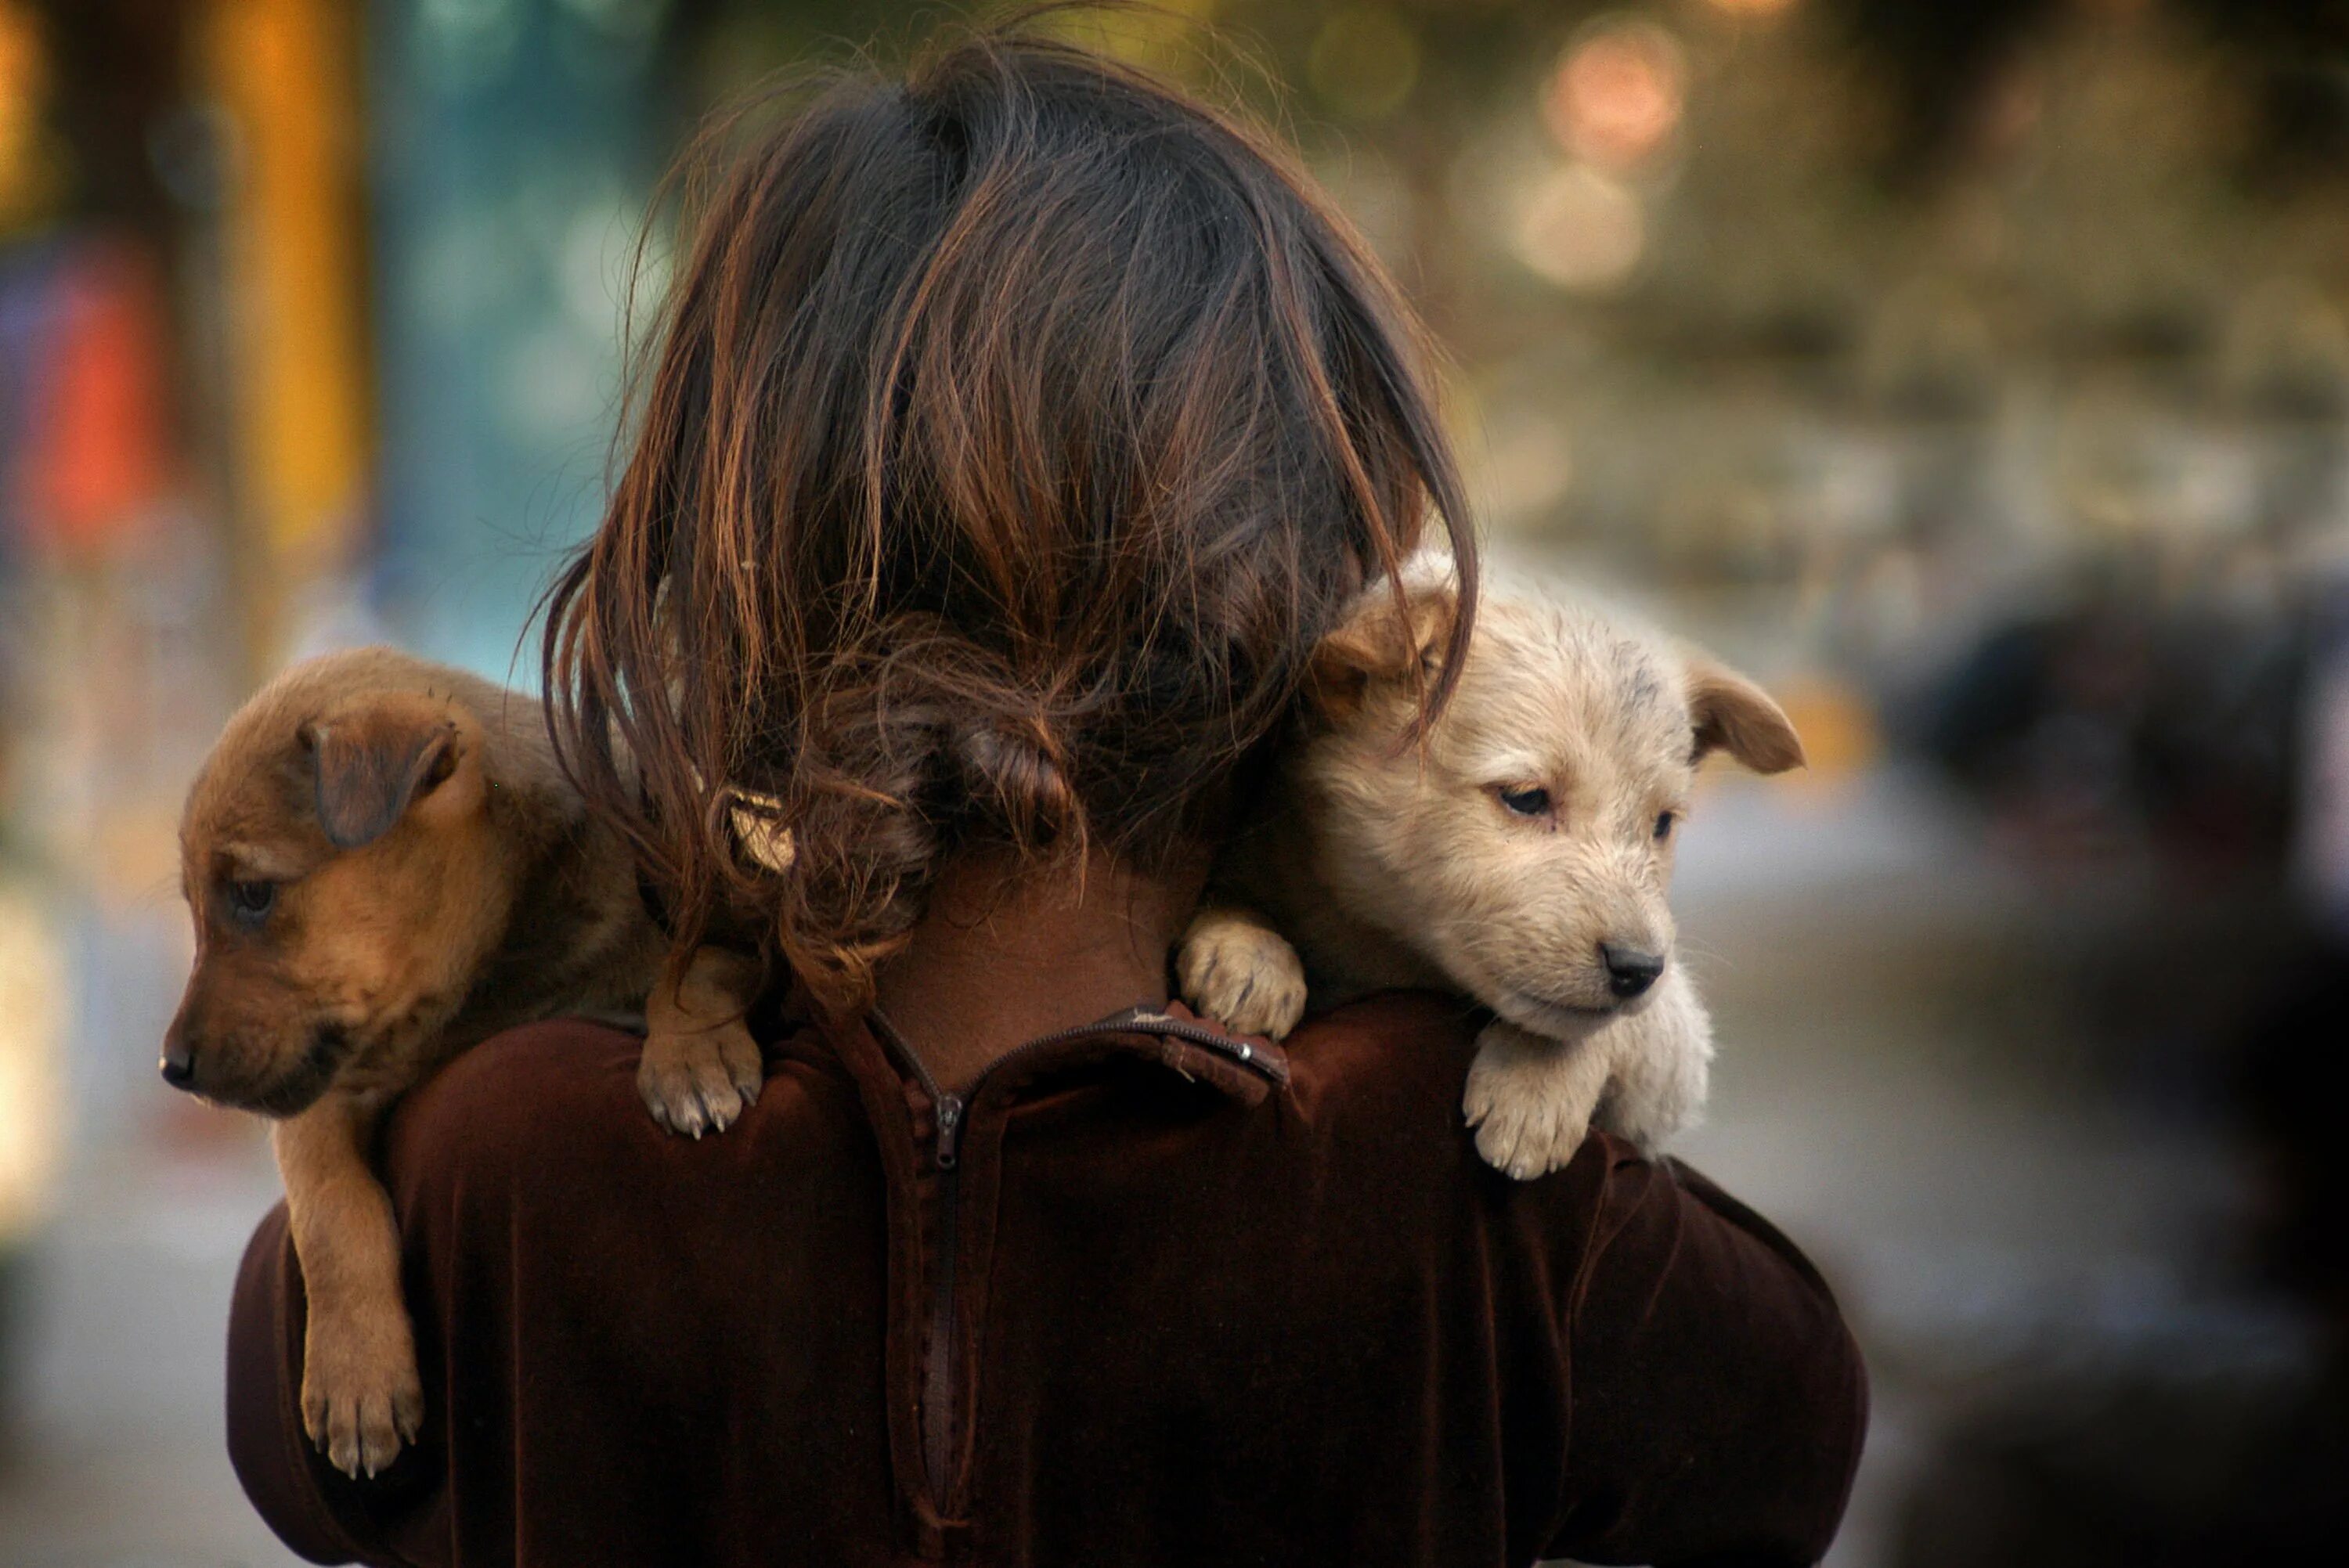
1630, 970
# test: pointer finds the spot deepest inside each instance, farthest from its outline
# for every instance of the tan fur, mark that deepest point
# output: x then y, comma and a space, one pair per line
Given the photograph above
1390, 865
706, 1070
434, 880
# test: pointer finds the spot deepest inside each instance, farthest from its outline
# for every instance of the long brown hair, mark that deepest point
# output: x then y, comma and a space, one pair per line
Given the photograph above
1013, 432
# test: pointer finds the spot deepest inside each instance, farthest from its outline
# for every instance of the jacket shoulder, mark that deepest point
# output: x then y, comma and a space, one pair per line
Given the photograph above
538, 1096
1402, 1028
1384, 1076
1392, 1064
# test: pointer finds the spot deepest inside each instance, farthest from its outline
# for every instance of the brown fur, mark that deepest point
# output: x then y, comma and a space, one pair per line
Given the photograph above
1393, 865
400, 817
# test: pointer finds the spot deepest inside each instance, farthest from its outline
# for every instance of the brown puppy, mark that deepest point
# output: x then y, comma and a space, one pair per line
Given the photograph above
386, 867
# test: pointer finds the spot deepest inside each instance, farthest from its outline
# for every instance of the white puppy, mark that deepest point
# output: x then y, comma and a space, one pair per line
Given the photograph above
1520, 856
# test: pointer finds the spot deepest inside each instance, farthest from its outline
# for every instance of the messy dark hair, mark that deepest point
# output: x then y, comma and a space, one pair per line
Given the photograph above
1012, 432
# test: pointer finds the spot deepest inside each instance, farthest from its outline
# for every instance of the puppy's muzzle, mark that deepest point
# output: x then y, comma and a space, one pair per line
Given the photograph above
1630, 970
217, 1071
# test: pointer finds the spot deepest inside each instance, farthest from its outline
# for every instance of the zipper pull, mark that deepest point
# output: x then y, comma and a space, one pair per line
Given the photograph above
949, 1114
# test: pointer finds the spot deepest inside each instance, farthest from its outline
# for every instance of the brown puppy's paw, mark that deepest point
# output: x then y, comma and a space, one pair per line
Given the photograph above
700, 1080
360, 1395
1529, 1100
1241, 973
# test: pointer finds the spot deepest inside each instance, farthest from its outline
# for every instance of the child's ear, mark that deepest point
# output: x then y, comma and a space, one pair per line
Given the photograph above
1385, 638
1730, 713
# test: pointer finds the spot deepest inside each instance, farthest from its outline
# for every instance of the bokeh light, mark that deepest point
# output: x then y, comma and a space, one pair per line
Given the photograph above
33, 984
1582, 230
1617, 96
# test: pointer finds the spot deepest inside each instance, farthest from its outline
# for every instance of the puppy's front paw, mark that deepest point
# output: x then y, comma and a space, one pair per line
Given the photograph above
1241, 973
699, 1080
1529, 1100
360, 1395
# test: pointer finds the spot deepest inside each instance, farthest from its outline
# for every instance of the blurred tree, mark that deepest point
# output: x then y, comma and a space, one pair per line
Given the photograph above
1939, 62
118, 70
1409, 84
1403, 85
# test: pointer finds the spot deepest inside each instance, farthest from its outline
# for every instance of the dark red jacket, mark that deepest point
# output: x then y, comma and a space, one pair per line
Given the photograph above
1157, 1295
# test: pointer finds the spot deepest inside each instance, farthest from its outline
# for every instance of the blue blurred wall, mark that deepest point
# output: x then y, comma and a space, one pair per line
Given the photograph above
512, 145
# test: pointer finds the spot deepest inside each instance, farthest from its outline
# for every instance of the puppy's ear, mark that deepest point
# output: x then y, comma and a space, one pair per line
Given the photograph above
1730, 713
1381, 640
375, 757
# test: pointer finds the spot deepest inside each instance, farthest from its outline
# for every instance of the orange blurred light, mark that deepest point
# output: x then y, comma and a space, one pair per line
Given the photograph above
1616, 99
24, 88
1753, 7
24, 66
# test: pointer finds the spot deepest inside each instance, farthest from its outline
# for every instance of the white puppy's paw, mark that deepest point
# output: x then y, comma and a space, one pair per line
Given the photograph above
1530, 1100
361, 1399
1518, 1131
1235, 969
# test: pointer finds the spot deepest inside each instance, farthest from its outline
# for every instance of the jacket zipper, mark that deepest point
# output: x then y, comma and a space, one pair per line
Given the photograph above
942, 1362
938, 1381
937, 1362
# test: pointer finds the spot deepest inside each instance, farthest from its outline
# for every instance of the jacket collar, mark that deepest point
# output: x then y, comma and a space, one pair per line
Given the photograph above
1245, 1067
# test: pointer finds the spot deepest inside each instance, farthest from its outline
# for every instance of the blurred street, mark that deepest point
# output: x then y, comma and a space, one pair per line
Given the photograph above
118, 1459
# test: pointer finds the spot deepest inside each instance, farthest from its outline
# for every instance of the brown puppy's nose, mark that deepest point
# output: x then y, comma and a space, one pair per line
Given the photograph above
179, 1061
1629, 970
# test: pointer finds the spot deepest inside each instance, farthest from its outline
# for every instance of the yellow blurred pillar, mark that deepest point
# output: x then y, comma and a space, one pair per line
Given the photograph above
287, 72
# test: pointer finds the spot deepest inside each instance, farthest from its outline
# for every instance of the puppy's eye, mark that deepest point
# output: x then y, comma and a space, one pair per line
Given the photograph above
1664, 824
1526, 802
250, 902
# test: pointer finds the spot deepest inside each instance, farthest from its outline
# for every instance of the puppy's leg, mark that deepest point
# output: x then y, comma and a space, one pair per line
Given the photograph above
701, 1068
360, 1395
1235, 969
1663, 1055
1530, 1098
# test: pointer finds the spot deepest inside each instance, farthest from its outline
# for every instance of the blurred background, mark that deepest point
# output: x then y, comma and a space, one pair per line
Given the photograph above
1977, 374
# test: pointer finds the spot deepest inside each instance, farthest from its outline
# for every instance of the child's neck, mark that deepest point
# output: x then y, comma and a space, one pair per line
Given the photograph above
999, 959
